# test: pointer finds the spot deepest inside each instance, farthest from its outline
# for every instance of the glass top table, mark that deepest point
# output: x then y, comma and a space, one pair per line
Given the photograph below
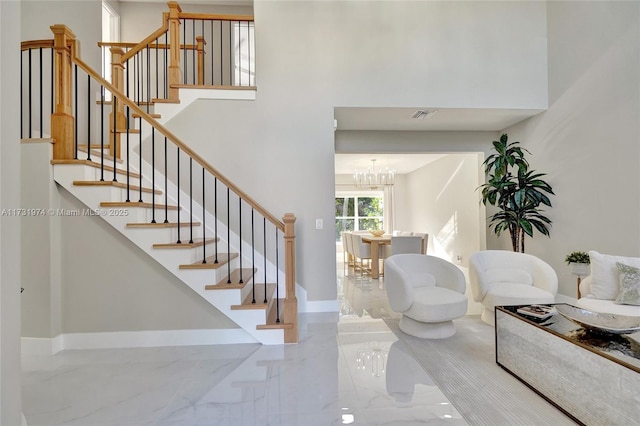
591, 376
623, 349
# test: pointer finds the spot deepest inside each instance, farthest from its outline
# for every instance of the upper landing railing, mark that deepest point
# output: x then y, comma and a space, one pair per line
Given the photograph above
189, 49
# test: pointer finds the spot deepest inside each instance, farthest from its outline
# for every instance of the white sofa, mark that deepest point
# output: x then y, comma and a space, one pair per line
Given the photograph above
600, 291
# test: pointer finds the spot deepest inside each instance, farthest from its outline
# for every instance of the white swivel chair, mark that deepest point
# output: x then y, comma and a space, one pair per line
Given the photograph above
429, 293
500, 278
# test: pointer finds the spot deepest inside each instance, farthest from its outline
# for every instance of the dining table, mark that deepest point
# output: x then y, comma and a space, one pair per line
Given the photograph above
376, 243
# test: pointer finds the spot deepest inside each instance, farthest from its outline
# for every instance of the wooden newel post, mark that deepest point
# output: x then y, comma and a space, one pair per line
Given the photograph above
290, 301
62, 121
174, 72
200, 46
117, 107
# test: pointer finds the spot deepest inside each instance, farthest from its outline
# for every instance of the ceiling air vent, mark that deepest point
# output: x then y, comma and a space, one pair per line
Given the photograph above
421, 114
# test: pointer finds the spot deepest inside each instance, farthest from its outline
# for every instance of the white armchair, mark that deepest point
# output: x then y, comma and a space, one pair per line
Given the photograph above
499, 278
427, 291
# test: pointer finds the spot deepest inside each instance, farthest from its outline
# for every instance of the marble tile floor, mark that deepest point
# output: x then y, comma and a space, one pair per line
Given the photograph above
337, 374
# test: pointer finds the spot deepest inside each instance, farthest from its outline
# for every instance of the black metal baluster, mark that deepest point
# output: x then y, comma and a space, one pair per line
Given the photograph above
148, 79
30, 113
157, 70
193, 51
212, 55
178, 191
228, 238
114, 107
166, 192
88, 117
21, 95
75, 100
41, 97
231, 52
277, 283
264, 252
184, 42
240, 235
140, 159
191, 201
249, 26
204, 220
153, 175
128, 174
221, 67
101, 133
215, 214
253, 260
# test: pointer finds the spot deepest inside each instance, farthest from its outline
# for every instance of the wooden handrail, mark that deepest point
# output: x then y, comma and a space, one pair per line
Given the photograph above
213, 17
151, 37
152, 45
36, 44
176, 141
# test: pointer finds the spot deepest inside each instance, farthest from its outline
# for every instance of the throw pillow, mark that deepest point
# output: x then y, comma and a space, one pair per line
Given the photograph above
605, 274
629, 285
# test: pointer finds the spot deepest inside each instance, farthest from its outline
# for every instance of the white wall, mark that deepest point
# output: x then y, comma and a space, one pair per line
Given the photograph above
10, 407
444, 203
588, 140
84, 18
314, 56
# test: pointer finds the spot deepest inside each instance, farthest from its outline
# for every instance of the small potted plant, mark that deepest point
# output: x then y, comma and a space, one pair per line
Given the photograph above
579, 262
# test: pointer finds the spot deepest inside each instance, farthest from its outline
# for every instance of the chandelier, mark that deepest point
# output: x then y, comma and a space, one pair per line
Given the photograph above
372, 178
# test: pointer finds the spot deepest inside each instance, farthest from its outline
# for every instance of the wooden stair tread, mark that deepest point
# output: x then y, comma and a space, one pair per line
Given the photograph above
99, 154
247, 303
138, 204
92, 163
223, 258
165, 101
271, 318
116, 184
247, 275
208, 86
197, 242
37, 140
125, 131
160, 224
152, 115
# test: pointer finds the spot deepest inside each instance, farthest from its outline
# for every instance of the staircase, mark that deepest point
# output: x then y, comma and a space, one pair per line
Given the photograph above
150, 186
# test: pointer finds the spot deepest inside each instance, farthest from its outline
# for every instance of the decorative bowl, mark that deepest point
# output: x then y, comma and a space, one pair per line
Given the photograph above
597, 321
377, 232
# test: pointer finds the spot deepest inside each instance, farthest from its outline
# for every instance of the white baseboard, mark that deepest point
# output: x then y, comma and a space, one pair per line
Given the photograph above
134, 339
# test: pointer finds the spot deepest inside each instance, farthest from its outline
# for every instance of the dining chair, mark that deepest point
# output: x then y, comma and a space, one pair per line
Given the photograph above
361, 251
403, 245
425, 240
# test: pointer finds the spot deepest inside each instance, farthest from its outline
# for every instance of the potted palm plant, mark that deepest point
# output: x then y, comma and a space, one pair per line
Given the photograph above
517, 192
579, 262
